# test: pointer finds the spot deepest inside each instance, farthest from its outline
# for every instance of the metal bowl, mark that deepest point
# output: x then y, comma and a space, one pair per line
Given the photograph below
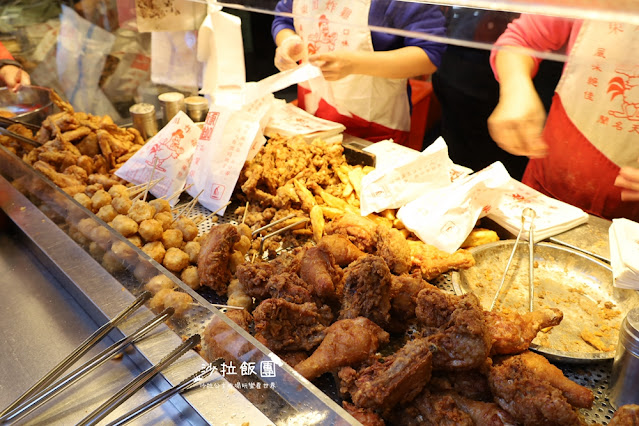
30, 104
577, 284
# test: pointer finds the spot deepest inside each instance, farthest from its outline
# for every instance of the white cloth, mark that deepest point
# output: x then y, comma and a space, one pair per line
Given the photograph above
552, 216
174, 60
624, 253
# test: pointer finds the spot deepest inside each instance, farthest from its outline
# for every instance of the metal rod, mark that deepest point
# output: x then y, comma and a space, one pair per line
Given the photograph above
258, 230
161, 397
9, 121
78, 352
279, 231
589, 253
45, 395
510, 259
136, 384
531, 257
19, 137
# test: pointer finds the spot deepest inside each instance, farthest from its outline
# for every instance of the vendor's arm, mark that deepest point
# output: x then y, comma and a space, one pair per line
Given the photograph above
290, 48
628, 181
11, 72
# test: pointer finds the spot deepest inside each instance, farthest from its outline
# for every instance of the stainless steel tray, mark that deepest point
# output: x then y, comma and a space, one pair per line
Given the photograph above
578, 284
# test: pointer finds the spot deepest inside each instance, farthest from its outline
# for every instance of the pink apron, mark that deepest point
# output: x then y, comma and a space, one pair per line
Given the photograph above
593, 125
372, 108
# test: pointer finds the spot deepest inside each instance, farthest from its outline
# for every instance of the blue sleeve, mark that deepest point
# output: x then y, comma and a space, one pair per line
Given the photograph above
408, 16
282, 22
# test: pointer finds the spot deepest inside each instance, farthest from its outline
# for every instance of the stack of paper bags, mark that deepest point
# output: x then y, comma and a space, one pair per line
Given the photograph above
289, 120
552, 216
624, 253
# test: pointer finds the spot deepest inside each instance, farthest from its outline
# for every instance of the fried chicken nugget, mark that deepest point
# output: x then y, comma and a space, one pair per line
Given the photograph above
124, 225
150, 230
155, 250
172, 238
175, 259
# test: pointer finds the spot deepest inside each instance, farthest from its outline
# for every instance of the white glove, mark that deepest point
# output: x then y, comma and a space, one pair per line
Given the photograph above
289, 52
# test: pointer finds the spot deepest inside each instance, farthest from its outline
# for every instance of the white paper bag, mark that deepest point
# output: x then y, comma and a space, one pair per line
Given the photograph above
170, 152
174, 59
624, 253
444, 217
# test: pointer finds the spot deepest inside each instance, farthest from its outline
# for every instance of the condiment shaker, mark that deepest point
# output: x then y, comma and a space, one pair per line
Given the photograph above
196, 108
171, 103
143, 116
624, 379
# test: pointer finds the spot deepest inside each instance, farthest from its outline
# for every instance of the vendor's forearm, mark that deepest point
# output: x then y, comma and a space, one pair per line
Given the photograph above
283, 35
406, 62
515, 71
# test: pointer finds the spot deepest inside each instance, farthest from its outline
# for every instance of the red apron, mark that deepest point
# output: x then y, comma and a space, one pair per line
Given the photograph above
593, 126
372, 108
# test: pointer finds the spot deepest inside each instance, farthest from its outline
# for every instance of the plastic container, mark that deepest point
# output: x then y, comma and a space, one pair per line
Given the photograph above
624, 379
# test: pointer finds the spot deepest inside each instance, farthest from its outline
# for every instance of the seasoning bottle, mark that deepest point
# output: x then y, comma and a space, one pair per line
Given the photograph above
196, 108
170, 103
143, 116
625, 368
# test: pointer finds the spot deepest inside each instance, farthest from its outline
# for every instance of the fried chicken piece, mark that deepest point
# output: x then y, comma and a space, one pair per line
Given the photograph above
472, 384
404, 291
434, 262
220, 340
482, 413
512, 333
89, 145
461, 338
367, 283
531, 400
360, 231
577, 395
215, 255
391, 246
60, 179
319, 270
347, 342
397, 379
255, 276
433, 409
341, 248
364, 416
626, 415
290, 287
283, 325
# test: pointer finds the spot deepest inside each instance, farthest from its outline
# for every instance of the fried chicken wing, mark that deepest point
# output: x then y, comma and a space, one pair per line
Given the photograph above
529, 399
214, 257
319, 270
367, 283
342, 249
434, 262
283, 325
360, 231
290, 287
255, 276
347, 342
512, 332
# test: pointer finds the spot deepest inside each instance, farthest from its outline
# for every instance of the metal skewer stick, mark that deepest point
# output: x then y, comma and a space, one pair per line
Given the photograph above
45, 395
146, 191
257, 231
136, 384
78, 352
161, 397
531, 257
279, 231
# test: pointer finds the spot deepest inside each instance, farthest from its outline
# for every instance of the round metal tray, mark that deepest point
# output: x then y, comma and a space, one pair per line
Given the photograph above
577, 284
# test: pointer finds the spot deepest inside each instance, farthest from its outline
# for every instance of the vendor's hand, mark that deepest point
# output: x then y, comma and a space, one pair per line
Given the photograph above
517, 122
334, 65
628, 180
289, 52
14, 77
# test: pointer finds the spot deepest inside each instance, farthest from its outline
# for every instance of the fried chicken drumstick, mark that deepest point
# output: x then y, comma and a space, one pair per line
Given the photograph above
512, 333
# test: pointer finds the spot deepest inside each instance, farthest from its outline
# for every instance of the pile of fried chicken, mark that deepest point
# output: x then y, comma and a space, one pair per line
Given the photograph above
401, 350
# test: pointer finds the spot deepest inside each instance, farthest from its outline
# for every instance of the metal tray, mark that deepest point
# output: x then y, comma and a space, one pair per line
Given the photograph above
579, 285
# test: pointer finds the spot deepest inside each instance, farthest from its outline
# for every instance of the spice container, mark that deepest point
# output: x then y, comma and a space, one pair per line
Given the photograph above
143, 116
171, 103
625, 368
196, 108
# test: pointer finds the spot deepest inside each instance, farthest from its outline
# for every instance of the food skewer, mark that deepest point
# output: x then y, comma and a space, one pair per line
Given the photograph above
258, 230
245, 212
279, 231
214, 213
186, 209
178, 192
146, 191
45, 395
136, 384
531, 259
149, 187
135, 190
78, 352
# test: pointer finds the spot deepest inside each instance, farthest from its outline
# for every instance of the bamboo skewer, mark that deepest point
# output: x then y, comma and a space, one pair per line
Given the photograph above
149, 187
214, 213
146, 191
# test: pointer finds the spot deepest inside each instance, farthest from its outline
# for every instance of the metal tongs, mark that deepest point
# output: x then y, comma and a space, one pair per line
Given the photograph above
530, 214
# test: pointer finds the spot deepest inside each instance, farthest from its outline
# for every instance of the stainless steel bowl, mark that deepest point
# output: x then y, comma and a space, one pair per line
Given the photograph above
31, 104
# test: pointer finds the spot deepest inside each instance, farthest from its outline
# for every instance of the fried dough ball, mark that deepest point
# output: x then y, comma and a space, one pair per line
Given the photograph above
237, 258
150, 230
96, 251
86, 226
175, 259
101, 236
141, 210
237, 295
144, 271
155, 250
121, 205
111, 263
119, 190
172, 238
190, 277
123, 251
99, 199
124, 225
165, 218
169, 298
188, 228
244, 230
78, 236
160, 205
84, 200
135, 240
243, 245
159, 282
192, 248
107, 213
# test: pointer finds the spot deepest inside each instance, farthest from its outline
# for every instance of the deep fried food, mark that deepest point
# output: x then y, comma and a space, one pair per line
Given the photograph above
255, 276
290, 287
344, 252
159, 282
150, 230
121, 204
84, 200
141, 210
118, 190
360, 231
434, 262
363, 415
107, 213
221, 340
215, 255
155, 250
170, 298
124, 225
367, 283
188, 228
404, 291
192, 248
190, 277
347, 342
626, 415
512, 333
172, 238
391, 245
175, 259
237, 296
283, 325
124, 252
471, 384
165, 218
319, 270
433, 409
482, 413
160, 205
396, 379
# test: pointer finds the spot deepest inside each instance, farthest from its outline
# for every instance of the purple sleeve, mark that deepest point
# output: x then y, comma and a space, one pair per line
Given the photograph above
282, 22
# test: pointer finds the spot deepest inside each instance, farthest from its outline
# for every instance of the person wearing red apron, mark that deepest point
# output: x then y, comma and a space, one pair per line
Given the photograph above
587, 154
11, 72
364, 84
